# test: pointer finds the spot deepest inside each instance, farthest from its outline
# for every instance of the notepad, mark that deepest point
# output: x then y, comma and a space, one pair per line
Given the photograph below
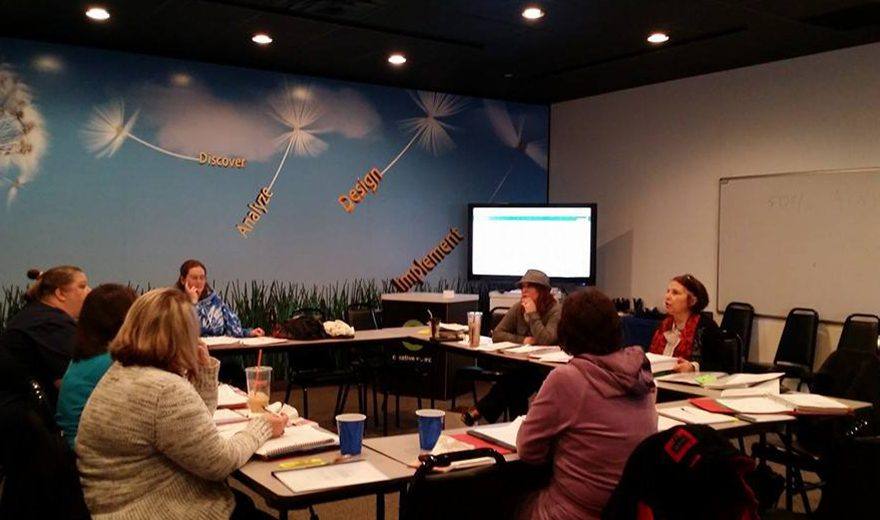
501, 345
531, 349
226, 416
693, 415
661, 363
213, 341
501, 434
664, 423
743, 380
755, 405
453, 326
765, 388
553, 357
484, 340
261, 341
296, 439
229, 397
325, 477
813, 403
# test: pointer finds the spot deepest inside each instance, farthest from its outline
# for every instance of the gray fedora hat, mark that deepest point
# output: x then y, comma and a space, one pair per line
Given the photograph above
534, 277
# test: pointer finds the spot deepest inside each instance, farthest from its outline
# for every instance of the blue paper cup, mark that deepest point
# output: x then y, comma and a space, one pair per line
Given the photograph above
430, 426
351, 432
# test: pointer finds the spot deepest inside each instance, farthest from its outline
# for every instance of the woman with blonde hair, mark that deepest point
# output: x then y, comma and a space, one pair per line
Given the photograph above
147, 443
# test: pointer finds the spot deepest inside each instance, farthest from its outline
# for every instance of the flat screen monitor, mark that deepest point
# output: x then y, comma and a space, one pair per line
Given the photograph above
507, 240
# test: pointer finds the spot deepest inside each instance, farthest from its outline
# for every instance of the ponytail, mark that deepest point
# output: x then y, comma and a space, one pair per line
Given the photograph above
48, 281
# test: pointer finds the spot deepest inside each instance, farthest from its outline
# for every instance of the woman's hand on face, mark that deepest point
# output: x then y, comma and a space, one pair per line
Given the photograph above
528, 340
202, 353
193, 293
258, 332
278, 421
683, 365
528, 305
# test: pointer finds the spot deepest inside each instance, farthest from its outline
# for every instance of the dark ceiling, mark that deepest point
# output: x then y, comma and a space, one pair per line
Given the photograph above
475, 47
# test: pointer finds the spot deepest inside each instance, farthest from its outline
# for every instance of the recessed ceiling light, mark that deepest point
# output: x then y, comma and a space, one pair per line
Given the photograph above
261, 39
532, 13
658, 37
397, 59
98, 13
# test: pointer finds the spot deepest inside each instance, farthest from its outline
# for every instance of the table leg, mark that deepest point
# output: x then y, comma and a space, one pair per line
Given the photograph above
380, 506
786, 439
282, 514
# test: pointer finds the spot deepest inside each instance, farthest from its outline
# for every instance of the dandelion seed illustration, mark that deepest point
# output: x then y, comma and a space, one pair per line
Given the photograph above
429, 131
107, 131
299, 109
512, 137
22, 134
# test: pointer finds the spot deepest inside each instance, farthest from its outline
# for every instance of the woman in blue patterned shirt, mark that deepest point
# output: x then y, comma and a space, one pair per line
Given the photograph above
215, 317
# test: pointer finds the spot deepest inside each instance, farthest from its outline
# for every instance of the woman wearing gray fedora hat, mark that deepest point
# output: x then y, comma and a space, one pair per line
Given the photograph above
531, 321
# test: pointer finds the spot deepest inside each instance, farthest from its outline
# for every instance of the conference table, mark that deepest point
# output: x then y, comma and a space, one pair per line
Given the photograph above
391, 454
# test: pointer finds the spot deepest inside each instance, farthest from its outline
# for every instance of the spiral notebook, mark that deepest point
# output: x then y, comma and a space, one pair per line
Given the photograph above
297, 439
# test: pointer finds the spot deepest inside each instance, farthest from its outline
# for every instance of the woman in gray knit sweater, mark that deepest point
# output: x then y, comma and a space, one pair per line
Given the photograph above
147, 445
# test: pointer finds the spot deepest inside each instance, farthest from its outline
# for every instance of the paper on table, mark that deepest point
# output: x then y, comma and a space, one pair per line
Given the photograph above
491, 347
219, 340
689, 378
693, 415
765, 417
226, 416
755, 405
531, 349
812, 402
554, 357
743, 380
664, 423
503, 434
453, 326
484, 340
226, 431
336, 475
765, 388
229, 397
264, 340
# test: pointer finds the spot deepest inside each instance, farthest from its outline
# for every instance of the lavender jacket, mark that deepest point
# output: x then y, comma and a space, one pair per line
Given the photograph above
587, 418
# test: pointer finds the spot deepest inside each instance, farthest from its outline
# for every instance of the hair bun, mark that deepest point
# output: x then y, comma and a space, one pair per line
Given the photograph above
33, 274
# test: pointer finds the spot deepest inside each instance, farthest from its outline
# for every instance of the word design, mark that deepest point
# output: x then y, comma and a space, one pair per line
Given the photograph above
361, 189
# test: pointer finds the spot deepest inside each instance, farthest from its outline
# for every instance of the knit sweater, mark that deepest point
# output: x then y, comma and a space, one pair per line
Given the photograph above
148, 448
517, 325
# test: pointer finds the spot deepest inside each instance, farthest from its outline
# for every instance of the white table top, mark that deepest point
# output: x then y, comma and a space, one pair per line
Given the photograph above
428, 297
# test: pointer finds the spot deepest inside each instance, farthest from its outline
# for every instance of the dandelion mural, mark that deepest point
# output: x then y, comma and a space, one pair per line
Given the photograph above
429, 131
512, 137
107, 131
22, 134
299, 109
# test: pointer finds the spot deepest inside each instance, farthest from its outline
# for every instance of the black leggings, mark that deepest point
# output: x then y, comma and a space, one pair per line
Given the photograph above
511, 392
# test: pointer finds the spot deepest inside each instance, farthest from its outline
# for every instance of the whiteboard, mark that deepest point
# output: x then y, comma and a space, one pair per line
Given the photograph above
807, 239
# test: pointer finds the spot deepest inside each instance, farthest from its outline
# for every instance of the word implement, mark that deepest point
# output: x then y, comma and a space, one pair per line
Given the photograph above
420, 268
361, 189
256, 210
220, 161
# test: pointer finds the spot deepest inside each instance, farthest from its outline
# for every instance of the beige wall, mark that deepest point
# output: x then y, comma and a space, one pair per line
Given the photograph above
652, 156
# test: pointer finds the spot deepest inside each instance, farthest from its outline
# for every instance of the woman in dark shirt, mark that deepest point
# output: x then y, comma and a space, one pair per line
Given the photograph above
687, 332
38, 341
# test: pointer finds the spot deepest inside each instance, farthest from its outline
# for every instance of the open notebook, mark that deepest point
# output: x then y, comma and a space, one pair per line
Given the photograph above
660, 363
229, 397
296, 439
330, 476
500, 434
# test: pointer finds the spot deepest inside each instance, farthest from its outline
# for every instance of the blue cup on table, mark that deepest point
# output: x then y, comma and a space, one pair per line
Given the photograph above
351, 432
430, 425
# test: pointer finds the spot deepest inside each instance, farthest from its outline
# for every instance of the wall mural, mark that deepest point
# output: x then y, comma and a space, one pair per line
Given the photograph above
128, 164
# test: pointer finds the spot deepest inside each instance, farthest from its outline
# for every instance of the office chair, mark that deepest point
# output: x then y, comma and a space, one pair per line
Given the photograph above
738, 318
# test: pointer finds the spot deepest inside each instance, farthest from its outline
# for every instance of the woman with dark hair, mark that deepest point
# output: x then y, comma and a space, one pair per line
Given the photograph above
215, 317
589, 415
531, 321
38, 341
686, 332
102, 314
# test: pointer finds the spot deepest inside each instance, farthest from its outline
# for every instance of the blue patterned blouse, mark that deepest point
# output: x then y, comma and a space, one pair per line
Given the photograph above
217, 319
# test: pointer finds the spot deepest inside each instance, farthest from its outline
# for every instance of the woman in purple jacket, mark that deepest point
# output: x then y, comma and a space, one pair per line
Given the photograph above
589, 415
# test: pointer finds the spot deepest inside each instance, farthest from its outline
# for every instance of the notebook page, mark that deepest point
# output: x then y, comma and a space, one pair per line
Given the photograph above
264, 340
812, 401
693, 415
219, 340
491, 347
755, 405
297, 438
335, 475
664, 423
502, 433
226, 416
229, 397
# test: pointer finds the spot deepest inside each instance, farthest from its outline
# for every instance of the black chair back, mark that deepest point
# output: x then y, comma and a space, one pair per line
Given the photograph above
860, 332
797, 346
496, 315
738, 318
361, 316
727, 358
314, 312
